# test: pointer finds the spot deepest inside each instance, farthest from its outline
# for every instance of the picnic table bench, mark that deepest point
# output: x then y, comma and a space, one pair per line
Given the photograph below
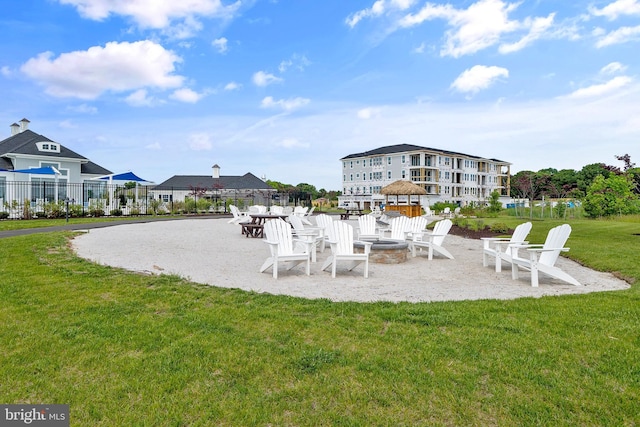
351, 211
255, 228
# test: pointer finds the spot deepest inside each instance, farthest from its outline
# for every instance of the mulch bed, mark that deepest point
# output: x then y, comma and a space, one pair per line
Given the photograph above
472, 234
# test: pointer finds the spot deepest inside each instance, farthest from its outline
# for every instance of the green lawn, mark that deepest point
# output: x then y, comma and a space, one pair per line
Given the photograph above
124, 349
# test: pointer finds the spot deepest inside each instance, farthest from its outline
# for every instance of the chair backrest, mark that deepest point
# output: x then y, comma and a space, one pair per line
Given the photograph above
343, 233
313, 208
326, 222
399, 226
299, 210
234, 211
440, 231
418, 224
287, 210
276, 210
519, 235
367, 224
521, 232
296, 222
277, 230
254, 209
556, 239
427, 211
446, 210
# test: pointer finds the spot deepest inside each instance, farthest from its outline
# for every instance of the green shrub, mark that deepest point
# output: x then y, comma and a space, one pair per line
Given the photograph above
499, 227
115, 212
4, 215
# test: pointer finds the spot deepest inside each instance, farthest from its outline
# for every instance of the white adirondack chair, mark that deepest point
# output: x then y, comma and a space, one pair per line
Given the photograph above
281, 245
417, 225
238, 217
326, 223
307, 215
433, 241
276, 210
342, 250
367, 228
542, 258
314, 236
398, 229
446, 212
500, 249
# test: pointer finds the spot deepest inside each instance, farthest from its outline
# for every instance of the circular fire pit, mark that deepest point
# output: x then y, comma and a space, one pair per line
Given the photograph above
385, 251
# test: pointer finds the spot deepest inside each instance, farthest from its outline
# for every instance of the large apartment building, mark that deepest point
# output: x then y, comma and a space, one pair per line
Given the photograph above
446, 176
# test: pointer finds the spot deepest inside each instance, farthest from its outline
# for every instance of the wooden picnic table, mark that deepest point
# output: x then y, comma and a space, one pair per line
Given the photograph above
255, 228
351, 211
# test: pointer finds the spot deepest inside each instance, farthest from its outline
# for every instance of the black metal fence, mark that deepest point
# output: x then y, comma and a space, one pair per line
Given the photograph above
51, 199
47, 198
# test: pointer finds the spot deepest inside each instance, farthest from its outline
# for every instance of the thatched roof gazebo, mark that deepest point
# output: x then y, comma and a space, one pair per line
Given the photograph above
403, 188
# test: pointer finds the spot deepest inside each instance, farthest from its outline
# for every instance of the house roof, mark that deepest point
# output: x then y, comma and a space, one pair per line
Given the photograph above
247, 181
91, 168
400, 148
25, 143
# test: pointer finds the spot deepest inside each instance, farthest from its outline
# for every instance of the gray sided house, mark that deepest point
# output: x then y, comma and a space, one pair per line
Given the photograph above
241, 190
58, 172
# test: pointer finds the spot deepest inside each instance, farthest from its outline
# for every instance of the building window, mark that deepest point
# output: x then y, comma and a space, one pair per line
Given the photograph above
388, 174
403, 158
404, 174
351, 177
388, 160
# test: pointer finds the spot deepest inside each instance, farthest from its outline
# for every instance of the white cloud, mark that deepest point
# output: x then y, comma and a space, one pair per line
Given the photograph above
616, 9
220, 44
613, 68
601, 89
538, 27
83, 109
292, 143
67, 124
285, 104
419, 49
480, 26
232, 86
115, 67
262, 79
140, 98
187, 95
155, 146
378, 8
155, 14
367, 113
200, 142
478, 77
299, 62
619, 36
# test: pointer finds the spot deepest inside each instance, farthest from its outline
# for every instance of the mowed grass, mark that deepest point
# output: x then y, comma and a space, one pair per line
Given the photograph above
128, 349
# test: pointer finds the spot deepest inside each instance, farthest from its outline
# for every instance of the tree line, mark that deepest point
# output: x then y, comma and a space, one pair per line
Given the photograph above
603, 189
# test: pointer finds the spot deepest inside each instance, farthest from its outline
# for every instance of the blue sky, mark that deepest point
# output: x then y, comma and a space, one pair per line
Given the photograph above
285, 88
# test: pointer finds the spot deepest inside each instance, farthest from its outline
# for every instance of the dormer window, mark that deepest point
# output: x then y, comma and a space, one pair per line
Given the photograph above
48, 147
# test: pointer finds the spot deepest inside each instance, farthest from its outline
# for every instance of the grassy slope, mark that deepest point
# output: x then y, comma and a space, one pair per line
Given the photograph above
126, 349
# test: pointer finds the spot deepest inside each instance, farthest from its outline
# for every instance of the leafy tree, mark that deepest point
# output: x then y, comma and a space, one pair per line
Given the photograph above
610, 196
309, 189
495, 205
529, 185
588, 173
